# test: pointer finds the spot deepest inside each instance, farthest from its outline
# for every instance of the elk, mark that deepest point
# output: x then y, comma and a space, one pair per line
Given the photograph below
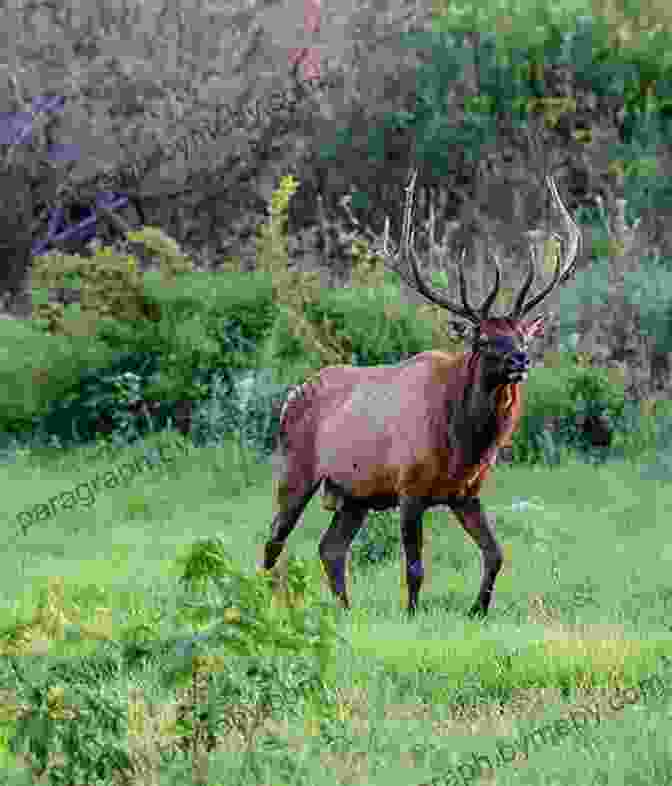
414, 435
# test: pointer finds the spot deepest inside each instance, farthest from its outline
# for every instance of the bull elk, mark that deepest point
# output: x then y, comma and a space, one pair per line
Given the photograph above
417, 434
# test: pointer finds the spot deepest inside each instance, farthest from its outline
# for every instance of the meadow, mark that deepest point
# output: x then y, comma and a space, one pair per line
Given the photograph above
140, 643
568, 674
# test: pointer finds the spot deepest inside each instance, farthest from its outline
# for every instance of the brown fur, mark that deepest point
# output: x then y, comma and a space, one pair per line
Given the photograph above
427, 426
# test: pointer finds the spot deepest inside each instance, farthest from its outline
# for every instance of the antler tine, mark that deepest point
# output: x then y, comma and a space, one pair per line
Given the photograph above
463, 283
561, 269
531, 272
487, 303
460, 262
408, 255
466, 311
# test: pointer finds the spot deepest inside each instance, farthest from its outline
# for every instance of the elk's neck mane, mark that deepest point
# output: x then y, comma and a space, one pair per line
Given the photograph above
477, 417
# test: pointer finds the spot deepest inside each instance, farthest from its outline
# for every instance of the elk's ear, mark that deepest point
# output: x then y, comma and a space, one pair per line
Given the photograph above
536, 327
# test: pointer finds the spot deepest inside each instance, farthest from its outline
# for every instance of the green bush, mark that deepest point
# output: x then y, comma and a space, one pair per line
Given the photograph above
109, 285
204, 328
187, 352
108, 395
247, 408
190, 324
359, 322
140, 389
377, 338
259, 399
564, 394
243, 298
38, 369
191, 342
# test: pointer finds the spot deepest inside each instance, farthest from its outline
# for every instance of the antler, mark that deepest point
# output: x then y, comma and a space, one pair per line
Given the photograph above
521, 308
408, 257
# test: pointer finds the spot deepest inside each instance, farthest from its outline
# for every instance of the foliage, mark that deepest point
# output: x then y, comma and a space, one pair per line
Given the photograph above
188, 338
646, 287
259, 403
189, 352
248, 408
172, 261
245, 299
374, 331
293, 291
175, 359
38, 369
255, 635
316, 328
189, 334
139, 391
519, 64
109, 285
113, 394
373, 284
562, 395
242, 658
649, 288
377, 542
647, 430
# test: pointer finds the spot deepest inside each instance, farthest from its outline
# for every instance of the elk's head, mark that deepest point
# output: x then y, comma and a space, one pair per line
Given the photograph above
501, 342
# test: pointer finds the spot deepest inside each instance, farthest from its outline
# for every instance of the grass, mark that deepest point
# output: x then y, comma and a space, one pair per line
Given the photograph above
581, 611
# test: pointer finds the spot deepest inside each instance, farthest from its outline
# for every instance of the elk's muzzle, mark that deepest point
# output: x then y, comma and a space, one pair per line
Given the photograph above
517, 366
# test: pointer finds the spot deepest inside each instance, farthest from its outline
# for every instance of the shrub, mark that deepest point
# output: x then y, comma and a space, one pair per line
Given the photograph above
369, 320
102, 401
558, 403
377, 542
244, 299
107, 285
38, 369
236, 658
196, 350
248, 408
360, 325
259, 400
143, 389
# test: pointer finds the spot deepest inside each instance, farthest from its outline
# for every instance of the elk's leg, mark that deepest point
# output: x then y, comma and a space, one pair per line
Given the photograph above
411, 511
335, 545
284, 522
471, 516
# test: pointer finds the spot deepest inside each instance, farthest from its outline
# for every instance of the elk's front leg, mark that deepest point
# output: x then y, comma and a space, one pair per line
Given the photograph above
471, 516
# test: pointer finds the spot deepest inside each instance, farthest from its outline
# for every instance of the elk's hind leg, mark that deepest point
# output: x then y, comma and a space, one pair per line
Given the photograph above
471, 516
335, 545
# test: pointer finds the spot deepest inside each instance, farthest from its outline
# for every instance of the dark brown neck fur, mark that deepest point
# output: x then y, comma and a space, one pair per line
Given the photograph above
472, 422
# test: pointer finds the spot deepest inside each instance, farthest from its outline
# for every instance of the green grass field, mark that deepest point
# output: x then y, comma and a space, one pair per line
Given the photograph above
580, 612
